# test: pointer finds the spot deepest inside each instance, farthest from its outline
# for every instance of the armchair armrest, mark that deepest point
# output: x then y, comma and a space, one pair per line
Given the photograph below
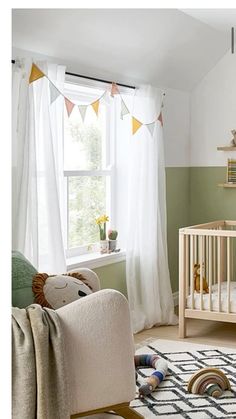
99, 351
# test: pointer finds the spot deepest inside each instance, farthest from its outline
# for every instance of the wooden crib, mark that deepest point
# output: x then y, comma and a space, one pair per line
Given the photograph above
213, 247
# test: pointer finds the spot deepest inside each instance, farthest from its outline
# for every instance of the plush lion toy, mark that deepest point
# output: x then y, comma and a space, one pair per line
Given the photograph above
55, 291
197, 282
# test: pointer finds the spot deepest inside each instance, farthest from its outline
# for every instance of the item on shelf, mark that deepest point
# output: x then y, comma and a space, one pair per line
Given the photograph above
233, 141
231, 171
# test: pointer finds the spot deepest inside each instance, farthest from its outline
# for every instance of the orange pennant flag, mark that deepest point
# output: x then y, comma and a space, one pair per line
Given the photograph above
69, 106
95, 106
160, 119
135, 124
35, 74
114, 89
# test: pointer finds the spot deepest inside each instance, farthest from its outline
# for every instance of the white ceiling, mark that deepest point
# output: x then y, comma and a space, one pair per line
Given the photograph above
165, 47
219, 19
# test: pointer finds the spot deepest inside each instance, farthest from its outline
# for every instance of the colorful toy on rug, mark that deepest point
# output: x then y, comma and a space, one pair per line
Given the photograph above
209, 380
153, 361
197, 280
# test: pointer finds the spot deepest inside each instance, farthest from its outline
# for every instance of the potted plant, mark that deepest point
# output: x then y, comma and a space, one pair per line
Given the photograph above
101, 222
112, 236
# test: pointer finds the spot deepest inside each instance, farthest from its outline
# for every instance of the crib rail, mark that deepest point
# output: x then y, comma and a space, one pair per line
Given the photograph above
212, 247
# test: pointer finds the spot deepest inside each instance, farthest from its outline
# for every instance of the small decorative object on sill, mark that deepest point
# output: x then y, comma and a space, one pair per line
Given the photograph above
101, 222
112, 235
233, 141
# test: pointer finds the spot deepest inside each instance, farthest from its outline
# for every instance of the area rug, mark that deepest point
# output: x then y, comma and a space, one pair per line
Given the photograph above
171, 400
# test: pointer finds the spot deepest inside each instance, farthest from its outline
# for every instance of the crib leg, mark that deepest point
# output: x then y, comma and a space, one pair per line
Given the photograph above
182, 327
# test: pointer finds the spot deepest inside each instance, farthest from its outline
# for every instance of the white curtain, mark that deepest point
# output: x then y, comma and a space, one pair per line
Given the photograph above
38, 168
147, 273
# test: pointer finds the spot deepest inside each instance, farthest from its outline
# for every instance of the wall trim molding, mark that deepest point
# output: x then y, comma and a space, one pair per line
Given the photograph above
176, 298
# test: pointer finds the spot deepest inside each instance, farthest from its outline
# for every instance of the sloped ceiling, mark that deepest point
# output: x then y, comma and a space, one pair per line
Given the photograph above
164, 47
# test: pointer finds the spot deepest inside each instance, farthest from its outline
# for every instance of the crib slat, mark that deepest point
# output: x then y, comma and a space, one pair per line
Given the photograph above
210, 265
187, 264
201, 252
214, 260
192, 242
219, 271
228, 251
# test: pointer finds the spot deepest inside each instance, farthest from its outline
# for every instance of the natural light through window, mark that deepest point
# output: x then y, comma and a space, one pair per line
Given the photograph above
87, 168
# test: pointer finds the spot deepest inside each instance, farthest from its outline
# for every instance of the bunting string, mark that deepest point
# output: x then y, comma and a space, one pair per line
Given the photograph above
37, 73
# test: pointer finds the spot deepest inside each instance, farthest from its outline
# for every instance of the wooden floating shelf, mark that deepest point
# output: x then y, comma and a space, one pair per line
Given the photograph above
227, 185
226, 148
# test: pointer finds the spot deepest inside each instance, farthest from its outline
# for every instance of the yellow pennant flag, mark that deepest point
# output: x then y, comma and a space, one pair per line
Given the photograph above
135, 124
95, 106
35, 74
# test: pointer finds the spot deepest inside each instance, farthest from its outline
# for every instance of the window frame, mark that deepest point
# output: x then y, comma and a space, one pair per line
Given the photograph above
108, 172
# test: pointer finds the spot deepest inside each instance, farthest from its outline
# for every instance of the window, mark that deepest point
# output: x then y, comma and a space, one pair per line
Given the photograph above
88, 168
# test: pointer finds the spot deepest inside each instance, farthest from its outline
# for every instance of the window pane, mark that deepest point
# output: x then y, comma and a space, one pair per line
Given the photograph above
85, 142
87, 201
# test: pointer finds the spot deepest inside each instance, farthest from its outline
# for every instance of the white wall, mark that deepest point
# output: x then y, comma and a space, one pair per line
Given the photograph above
175, 114
213, 114
176, 117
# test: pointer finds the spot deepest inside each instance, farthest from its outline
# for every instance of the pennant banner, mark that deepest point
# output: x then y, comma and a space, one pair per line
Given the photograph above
114, 89
35, 74
124, 110
69, 106
135, 124
160, 119
95, 106
151, 127
54, 92
82, 111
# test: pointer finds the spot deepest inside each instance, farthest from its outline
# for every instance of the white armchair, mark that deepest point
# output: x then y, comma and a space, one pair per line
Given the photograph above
100, 353
99, 344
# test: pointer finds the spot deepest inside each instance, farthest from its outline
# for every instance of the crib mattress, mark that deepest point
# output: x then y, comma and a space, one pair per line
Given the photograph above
214, 298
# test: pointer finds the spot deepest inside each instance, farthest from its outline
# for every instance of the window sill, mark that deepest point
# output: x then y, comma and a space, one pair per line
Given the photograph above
94, 260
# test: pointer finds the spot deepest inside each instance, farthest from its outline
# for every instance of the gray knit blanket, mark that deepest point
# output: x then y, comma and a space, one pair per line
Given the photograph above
39, 382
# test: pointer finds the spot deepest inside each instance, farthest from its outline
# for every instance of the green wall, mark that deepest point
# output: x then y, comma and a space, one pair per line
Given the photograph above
192, 197
177, 202
208, 201
113, 276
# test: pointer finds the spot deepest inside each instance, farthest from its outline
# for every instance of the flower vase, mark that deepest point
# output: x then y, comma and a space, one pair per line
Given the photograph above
112, 245
104, 246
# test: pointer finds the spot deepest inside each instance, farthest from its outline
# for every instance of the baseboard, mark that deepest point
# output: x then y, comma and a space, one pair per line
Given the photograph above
176, 298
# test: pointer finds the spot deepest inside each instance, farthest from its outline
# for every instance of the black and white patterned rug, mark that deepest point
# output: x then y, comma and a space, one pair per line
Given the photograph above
172, 400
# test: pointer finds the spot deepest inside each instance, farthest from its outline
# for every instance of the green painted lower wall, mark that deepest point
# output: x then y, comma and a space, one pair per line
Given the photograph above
208, 201
192, 197
177, 204
113, 276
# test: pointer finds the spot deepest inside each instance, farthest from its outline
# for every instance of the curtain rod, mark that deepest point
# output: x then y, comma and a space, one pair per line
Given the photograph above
92, 78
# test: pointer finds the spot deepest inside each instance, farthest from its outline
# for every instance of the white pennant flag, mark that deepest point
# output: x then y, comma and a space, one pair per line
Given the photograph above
82, 110
151, 127
54, 93
124, 110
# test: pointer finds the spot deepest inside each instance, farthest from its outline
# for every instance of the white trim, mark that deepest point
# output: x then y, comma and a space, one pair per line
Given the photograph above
176, 298
95, 260
77, 173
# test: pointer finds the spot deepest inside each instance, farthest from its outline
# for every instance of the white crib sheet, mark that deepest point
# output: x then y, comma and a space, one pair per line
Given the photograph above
214, 298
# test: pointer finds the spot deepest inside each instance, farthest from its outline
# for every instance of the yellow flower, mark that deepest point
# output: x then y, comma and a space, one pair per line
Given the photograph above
102, 219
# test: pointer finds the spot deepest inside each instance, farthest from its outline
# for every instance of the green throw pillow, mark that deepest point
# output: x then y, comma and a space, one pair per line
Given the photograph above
22, 275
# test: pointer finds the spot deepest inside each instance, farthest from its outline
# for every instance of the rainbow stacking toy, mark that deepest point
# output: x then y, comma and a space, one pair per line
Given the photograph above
208, 380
